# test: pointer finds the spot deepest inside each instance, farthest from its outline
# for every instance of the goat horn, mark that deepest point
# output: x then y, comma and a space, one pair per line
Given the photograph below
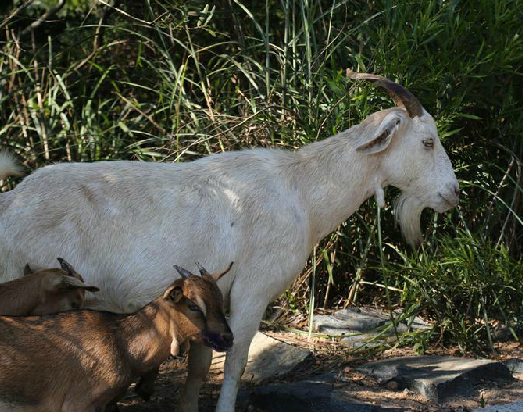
28, 270
202, 270
401, 96
184, 273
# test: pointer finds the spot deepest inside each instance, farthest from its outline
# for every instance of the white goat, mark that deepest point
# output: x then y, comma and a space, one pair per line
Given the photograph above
264, 209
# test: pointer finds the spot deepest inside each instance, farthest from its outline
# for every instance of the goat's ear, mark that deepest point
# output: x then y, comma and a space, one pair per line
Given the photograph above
216, 276
66, 266
173, 294
28, 270
380, 140
69, 283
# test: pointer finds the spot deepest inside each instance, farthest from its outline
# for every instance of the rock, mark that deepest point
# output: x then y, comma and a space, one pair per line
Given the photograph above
362, 323
328, 378
349, 321
502, 334
304, 397
514, 365
268, 358
393, 386
363, 340
437, 377
511, 407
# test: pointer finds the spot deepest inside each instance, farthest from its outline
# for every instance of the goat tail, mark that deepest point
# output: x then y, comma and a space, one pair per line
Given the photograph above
8, 166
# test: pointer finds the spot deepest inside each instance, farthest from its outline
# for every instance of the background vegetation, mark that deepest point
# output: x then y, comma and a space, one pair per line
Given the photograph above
160, 80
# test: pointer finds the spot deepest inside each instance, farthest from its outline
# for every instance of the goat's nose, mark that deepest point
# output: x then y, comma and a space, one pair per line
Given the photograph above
228, 338
452, 193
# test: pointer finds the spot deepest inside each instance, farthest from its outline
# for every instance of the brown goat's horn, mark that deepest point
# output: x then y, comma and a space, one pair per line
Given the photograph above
184, 273
401, 96
202, 270
215, 276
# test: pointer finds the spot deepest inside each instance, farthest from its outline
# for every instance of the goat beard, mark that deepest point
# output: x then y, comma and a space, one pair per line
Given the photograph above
407, 210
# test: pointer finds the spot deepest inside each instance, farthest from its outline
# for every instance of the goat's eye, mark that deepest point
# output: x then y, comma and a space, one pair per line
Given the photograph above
428, 143
193, 307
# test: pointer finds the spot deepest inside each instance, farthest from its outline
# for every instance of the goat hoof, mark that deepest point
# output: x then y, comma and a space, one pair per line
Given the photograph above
144, 395
143, 392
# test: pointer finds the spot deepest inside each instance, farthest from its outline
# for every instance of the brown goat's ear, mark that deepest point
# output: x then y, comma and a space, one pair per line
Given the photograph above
382, 136
89, 288
216, 276
66, 266
65, 284
173, 294
28, 270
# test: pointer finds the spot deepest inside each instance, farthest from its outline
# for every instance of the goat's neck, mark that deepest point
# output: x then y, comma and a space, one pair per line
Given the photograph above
148, 336
333, 180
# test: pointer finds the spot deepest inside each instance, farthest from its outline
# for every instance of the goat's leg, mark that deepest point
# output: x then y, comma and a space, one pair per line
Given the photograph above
200, 357
245, 320
145, 386
111, 407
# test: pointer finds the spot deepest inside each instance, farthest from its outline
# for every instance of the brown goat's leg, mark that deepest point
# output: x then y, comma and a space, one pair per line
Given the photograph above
145, 386
200, 357
111, 407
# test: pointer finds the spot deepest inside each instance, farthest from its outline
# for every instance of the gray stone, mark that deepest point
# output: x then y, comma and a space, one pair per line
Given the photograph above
361, 341
502, 334
349, 321
303, 397
328, 378
355, 321
511, 407
268, 358
514, 365
437, 377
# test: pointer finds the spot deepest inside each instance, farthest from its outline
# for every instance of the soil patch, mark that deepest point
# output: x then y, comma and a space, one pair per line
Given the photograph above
336, 360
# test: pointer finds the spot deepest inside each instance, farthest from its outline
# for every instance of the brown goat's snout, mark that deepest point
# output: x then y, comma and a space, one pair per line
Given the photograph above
220, 342
228, 339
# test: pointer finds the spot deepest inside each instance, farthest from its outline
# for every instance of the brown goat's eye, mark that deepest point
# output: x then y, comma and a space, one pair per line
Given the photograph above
194, 307
428, 143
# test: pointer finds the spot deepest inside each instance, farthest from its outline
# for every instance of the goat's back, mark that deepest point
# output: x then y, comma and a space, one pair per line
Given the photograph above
124, 224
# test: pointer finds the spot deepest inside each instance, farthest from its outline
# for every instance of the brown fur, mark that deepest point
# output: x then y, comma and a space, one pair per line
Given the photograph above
98, 354
43, 292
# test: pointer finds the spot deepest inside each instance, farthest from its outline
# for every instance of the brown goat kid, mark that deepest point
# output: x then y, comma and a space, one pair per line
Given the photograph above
44, 291
97, 355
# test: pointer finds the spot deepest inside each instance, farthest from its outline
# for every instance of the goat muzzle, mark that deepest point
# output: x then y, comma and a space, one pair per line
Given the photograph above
220, 342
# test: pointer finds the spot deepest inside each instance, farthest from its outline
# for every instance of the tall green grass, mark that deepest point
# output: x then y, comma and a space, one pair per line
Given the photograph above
468, 287
178, 80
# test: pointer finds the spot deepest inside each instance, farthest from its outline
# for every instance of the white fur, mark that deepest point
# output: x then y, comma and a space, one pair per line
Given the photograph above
124, 225
8, 166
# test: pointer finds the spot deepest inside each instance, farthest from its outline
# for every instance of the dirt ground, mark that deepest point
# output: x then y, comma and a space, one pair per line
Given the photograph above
359, 387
